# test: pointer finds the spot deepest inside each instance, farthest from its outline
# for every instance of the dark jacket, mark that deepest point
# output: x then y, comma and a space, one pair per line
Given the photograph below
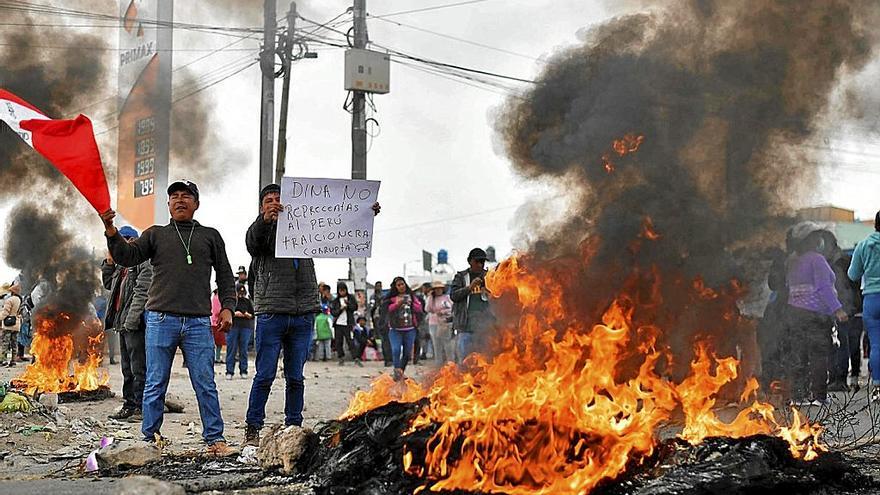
281, 285
350, 306
243, 305
132, 294
460, 297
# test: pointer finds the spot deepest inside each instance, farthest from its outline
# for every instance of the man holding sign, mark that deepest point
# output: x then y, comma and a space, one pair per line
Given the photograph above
282, 241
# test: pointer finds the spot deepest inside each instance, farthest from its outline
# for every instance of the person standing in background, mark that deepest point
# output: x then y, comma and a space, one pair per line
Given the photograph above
216, 331
403, 310
10, 323
342, 309
323, 334
865, 270
439, 309
124, 316
239, 335
472, 312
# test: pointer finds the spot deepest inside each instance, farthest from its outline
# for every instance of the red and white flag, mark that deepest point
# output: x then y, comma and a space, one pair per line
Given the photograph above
69, 145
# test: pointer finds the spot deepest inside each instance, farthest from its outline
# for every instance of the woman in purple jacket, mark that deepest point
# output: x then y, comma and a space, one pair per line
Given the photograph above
812, 302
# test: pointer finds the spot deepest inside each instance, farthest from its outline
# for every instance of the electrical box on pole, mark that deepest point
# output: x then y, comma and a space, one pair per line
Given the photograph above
367, 71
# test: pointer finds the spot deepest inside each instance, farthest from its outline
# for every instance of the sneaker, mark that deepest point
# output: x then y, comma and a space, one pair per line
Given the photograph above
826, 402
875, 394
229, 376
243, 375
359, 363
220, 449
398, 375
801, 402
136, 417
124, 413
10, 364
252, 435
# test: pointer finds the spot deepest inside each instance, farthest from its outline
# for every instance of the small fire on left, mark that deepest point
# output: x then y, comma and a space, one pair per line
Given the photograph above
68, 351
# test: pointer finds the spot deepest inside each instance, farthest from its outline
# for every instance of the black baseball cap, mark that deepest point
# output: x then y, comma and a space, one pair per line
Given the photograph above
184, 185
477, 254
241, 269
269, 188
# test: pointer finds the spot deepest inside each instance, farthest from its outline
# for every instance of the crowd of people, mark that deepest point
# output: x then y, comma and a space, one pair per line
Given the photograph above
824, 302
161, 300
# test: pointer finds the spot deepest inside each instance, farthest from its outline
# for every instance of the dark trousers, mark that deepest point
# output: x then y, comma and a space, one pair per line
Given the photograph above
133, 360
773, 346
810, 338
343, 337
237, 341
360, 343
848, 357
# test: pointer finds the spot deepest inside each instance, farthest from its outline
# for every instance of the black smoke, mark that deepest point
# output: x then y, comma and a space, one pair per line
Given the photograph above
45, 252
723, 93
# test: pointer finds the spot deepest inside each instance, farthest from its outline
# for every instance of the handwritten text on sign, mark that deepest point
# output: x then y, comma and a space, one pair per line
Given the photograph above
326, 218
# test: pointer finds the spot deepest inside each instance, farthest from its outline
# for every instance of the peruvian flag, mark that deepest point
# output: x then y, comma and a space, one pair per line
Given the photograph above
68, 144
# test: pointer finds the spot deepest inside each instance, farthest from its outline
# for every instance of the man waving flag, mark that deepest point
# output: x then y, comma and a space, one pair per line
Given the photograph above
69, 145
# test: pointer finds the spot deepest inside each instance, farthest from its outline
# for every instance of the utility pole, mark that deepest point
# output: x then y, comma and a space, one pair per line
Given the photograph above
286, 63
267, 105
358, 115
357, 270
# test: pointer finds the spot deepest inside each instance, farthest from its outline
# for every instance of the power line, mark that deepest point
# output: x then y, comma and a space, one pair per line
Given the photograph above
453, 66
449, 219
461, 79
461, 40
108, 49
435, 7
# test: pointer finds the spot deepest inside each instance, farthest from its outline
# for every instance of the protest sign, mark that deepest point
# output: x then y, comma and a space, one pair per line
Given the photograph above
326, 218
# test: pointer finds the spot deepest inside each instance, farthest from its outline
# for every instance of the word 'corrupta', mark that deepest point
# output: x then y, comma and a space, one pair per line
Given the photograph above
300, 190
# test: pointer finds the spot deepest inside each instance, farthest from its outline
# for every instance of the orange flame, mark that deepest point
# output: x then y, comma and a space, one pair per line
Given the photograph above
626, 145
553, 412
59, 366
648, 231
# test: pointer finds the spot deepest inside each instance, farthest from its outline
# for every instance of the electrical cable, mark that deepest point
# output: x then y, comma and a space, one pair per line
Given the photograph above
461, 40
435, 7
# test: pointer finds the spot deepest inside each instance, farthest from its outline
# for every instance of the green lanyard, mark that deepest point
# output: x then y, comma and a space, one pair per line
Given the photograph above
188, 243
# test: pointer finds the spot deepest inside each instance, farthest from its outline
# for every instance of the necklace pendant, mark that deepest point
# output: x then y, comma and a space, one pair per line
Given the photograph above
189, 259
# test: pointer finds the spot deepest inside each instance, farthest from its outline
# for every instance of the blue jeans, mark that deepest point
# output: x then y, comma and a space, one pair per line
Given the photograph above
293, 335
871, 317
402, 342
165, 333
237, 341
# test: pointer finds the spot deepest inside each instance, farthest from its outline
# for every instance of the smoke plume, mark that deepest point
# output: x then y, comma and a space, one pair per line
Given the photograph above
37, 244
722, 93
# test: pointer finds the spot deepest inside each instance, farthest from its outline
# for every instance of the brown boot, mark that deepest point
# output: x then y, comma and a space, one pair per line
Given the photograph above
220, 449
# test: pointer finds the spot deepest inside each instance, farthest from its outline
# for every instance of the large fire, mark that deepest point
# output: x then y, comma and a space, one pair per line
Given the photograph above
559, 409
68, 353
